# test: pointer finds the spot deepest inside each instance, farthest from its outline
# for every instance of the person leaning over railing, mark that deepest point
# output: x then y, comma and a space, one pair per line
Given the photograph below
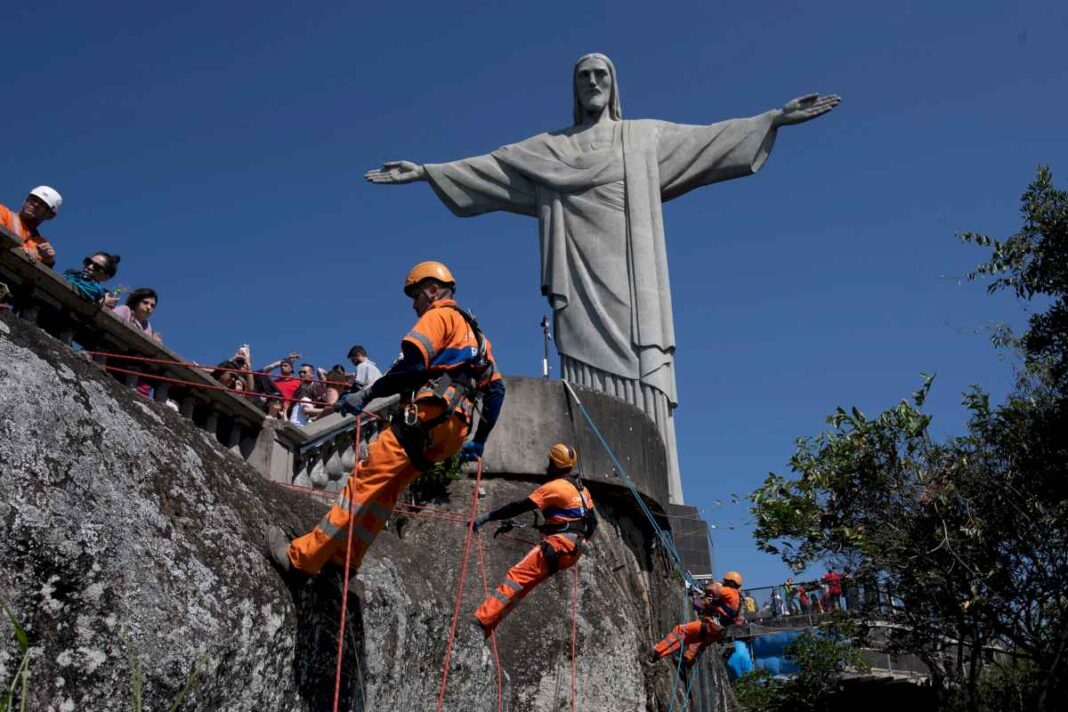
336, 382
96, 268
234, 373
40, 205
139, 307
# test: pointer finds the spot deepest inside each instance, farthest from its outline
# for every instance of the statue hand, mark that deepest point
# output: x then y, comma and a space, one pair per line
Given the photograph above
805, 108
396, 172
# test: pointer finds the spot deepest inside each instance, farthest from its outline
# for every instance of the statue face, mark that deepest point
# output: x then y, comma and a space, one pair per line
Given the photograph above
593, 82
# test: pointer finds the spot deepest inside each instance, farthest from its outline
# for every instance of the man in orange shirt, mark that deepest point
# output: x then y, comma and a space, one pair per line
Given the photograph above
446, 365
41, 204
719, 608
569, 523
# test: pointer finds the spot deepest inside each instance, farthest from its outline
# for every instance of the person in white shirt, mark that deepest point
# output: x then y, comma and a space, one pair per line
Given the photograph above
366, 370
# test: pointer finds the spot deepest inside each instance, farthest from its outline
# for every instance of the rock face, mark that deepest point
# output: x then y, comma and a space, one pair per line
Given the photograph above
130, 550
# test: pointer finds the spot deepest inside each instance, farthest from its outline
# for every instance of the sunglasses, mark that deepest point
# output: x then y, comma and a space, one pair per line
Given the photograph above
90, 265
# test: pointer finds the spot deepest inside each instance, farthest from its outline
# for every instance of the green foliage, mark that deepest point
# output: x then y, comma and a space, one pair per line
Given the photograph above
1034, 263
22, 674
1014, 686
137, 679
758, 691
433, 485
821, 659
969, 532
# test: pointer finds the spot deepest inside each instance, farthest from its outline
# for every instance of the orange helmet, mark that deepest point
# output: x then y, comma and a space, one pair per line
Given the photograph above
734, 577
563, 457
428, 270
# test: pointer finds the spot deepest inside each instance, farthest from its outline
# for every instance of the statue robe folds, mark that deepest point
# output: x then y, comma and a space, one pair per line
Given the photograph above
603, 258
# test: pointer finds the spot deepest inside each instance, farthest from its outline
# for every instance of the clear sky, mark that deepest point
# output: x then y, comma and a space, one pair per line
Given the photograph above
219, 148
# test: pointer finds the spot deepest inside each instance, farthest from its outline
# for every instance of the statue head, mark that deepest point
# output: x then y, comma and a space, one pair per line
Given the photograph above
594, 86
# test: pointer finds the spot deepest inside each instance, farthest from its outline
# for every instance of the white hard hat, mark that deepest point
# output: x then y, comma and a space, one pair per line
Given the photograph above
50, 196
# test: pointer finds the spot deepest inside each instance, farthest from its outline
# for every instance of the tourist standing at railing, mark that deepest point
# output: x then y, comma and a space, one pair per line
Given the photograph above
286, 383
96, 268
802, 598
778, 605
235, 373
336, 382
303, 409
366, 370
139, 307
307, 375
791, 596
832, 594
40, 205
749, 607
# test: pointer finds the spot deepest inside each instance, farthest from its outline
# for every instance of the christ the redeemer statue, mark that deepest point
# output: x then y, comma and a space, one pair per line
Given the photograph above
596, 189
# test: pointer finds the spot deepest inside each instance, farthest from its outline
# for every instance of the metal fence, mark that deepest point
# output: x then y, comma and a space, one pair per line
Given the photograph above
804, 599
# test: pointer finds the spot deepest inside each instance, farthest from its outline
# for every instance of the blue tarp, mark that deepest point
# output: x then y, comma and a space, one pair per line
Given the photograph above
767, 652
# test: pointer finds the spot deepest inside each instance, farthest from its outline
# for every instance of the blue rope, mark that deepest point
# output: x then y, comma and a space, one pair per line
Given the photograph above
664, 537
678, 676
684, 611
689, 683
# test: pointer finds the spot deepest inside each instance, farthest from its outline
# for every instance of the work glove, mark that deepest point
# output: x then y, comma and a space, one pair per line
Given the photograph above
471, 451
480, 521
353, 403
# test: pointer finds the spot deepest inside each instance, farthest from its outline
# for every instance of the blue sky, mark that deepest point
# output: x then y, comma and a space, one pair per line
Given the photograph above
219, 149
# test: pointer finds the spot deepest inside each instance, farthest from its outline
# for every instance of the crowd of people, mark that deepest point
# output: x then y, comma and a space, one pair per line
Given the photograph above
299, 394
831, 592
299, 397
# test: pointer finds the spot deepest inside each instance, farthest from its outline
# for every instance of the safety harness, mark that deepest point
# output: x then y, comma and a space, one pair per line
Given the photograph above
723, 616
413, 434
579, 530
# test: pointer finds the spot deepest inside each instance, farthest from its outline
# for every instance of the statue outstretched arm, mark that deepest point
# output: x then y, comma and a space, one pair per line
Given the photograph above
396, 172
804, 108
471, 186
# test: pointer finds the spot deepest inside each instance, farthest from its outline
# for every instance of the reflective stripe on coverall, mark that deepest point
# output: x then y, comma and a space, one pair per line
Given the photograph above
380, 480
522, 578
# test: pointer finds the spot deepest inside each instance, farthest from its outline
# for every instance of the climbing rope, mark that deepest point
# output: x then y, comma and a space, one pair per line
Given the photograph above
493, 634
574, 639
348, 562
459, 590
663, 536
684, 614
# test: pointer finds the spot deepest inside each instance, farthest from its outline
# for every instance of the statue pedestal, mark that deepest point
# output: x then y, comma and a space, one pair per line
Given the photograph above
538, 413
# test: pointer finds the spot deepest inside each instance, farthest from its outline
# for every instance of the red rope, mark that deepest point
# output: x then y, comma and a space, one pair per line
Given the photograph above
459, 590
348, 561
208, 387
493, 635
204, 386
197, 366
574, 639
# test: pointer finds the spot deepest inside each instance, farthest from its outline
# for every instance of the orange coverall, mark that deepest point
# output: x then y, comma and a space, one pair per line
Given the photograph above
30, 240
447, 343
719, 611
562, 503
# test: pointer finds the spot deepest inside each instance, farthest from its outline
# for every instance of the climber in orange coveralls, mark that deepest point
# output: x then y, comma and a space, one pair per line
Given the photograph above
446, 366
569, 523
719, 608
